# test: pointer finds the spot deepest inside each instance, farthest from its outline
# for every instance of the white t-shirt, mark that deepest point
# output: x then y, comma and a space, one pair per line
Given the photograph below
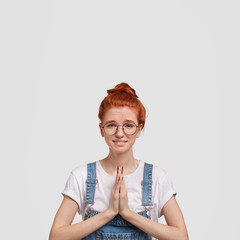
162, 189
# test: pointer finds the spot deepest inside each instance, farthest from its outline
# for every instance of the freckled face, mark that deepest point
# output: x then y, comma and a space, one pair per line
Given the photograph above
120, 142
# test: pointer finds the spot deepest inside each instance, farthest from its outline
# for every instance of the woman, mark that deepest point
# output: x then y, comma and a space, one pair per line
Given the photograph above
119, 196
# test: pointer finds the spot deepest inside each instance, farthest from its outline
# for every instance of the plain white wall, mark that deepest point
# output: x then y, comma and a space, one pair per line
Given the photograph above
58, 58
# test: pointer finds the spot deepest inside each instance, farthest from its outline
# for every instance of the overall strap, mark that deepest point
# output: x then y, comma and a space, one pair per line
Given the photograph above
147, 184
91, 182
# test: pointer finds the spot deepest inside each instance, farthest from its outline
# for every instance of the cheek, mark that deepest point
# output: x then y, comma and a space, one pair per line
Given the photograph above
132, 140
107, 140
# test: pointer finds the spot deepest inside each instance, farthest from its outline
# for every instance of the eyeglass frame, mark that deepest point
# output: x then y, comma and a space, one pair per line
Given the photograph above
137, 126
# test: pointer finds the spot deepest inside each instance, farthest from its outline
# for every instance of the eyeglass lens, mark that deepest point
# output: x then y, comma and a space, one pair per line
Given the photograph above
128, 128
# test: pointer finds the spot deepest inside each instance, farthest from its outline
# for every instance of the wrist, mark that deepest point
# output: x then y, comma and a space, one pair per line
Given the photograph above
110, 214
126, 213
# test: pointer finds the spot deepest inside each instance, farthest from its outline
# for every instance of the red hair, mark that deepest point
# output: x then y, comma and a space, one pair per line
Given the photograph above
123, 96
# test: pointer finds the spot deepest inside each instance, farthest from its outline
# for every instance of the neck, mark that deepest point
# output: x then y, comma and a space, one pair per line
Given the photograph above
113, 160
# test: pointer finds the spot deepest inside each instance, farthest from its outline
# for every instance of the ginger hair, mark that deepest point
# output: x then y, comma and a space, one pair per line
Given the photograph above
123, 96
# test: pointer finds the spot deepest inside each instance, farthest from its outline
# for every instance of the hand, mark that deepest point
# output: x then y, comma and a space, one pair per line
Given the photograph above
123, 201
115, 195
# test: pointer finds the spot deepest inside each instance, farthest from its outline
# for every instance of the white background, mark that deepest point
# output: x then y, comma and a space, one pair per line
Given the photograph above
57, 60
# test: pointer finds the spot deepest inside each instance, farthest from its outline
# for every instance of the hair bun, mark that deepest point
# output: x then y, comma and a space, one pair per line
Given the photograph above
122, 87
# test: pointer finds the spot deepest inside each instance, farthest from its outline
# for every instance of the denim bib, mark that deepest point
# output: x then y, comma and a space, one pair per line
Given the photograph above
118, 228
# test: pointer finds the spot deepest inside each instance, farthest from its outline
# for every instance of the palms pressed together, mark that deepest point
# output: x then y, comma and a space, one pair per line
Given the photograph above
119, 199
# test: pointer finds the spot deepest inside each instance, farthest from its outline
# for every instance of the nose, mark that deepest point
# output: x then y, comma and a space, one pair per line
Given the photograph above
119, 131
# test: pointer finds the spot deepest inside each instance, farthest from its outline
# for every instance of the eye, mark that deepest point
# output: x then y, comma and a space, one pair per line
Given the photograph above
129, 125
111, 125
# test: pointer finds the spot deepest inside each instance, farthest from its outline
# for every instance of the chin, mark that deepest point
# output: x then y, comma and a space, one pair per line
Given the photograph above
119, 148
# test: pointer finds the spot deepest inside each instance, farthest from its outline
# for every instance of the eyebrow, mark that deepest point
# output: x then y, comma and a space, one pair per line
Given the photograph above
126, 120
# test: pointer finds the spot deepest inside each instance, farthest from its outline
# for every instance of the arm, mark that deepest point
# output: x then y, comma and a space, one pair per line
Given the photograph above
175, 230
63, 229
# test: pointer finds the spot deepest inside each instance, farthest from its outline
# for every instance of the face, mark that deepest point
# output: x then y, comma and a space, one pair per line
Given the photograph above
120, 142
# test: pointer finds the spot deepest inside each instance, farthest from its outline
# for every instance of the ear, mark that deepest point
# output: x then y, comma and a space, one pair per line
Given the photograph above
139, 130
101, 130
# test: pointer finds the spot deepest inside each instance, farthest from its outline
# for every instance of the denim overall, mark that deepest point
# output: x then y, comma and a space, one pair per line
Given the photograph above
118, 228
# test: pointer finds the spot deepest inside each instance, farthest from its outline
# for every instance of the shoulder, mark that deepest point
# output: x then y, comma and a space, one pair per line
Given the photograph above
158, 173
80, 171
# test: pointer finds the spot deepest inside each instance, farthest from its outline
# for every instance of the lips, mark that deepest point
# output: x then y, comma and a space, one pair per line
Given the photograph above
119, 142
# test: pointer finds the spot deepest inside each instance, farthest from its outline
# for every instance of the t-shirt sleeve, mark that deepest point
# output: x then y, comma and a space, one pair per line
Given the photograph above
166, 192
72, 190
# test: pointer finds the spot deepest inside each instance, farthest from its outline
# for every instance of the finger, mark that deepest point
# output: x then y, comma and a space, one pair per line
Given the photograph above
116, 187
123, 186
119, 172
117, 178
119, 184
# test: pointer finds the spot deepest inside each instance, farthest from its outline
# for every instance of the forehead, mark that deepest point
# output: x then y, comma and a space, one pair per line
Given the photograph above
120, 114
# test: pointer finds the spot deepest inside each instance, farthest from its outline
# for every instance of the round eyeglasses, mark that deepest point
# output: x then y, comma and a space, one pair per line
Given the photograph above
112, 128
